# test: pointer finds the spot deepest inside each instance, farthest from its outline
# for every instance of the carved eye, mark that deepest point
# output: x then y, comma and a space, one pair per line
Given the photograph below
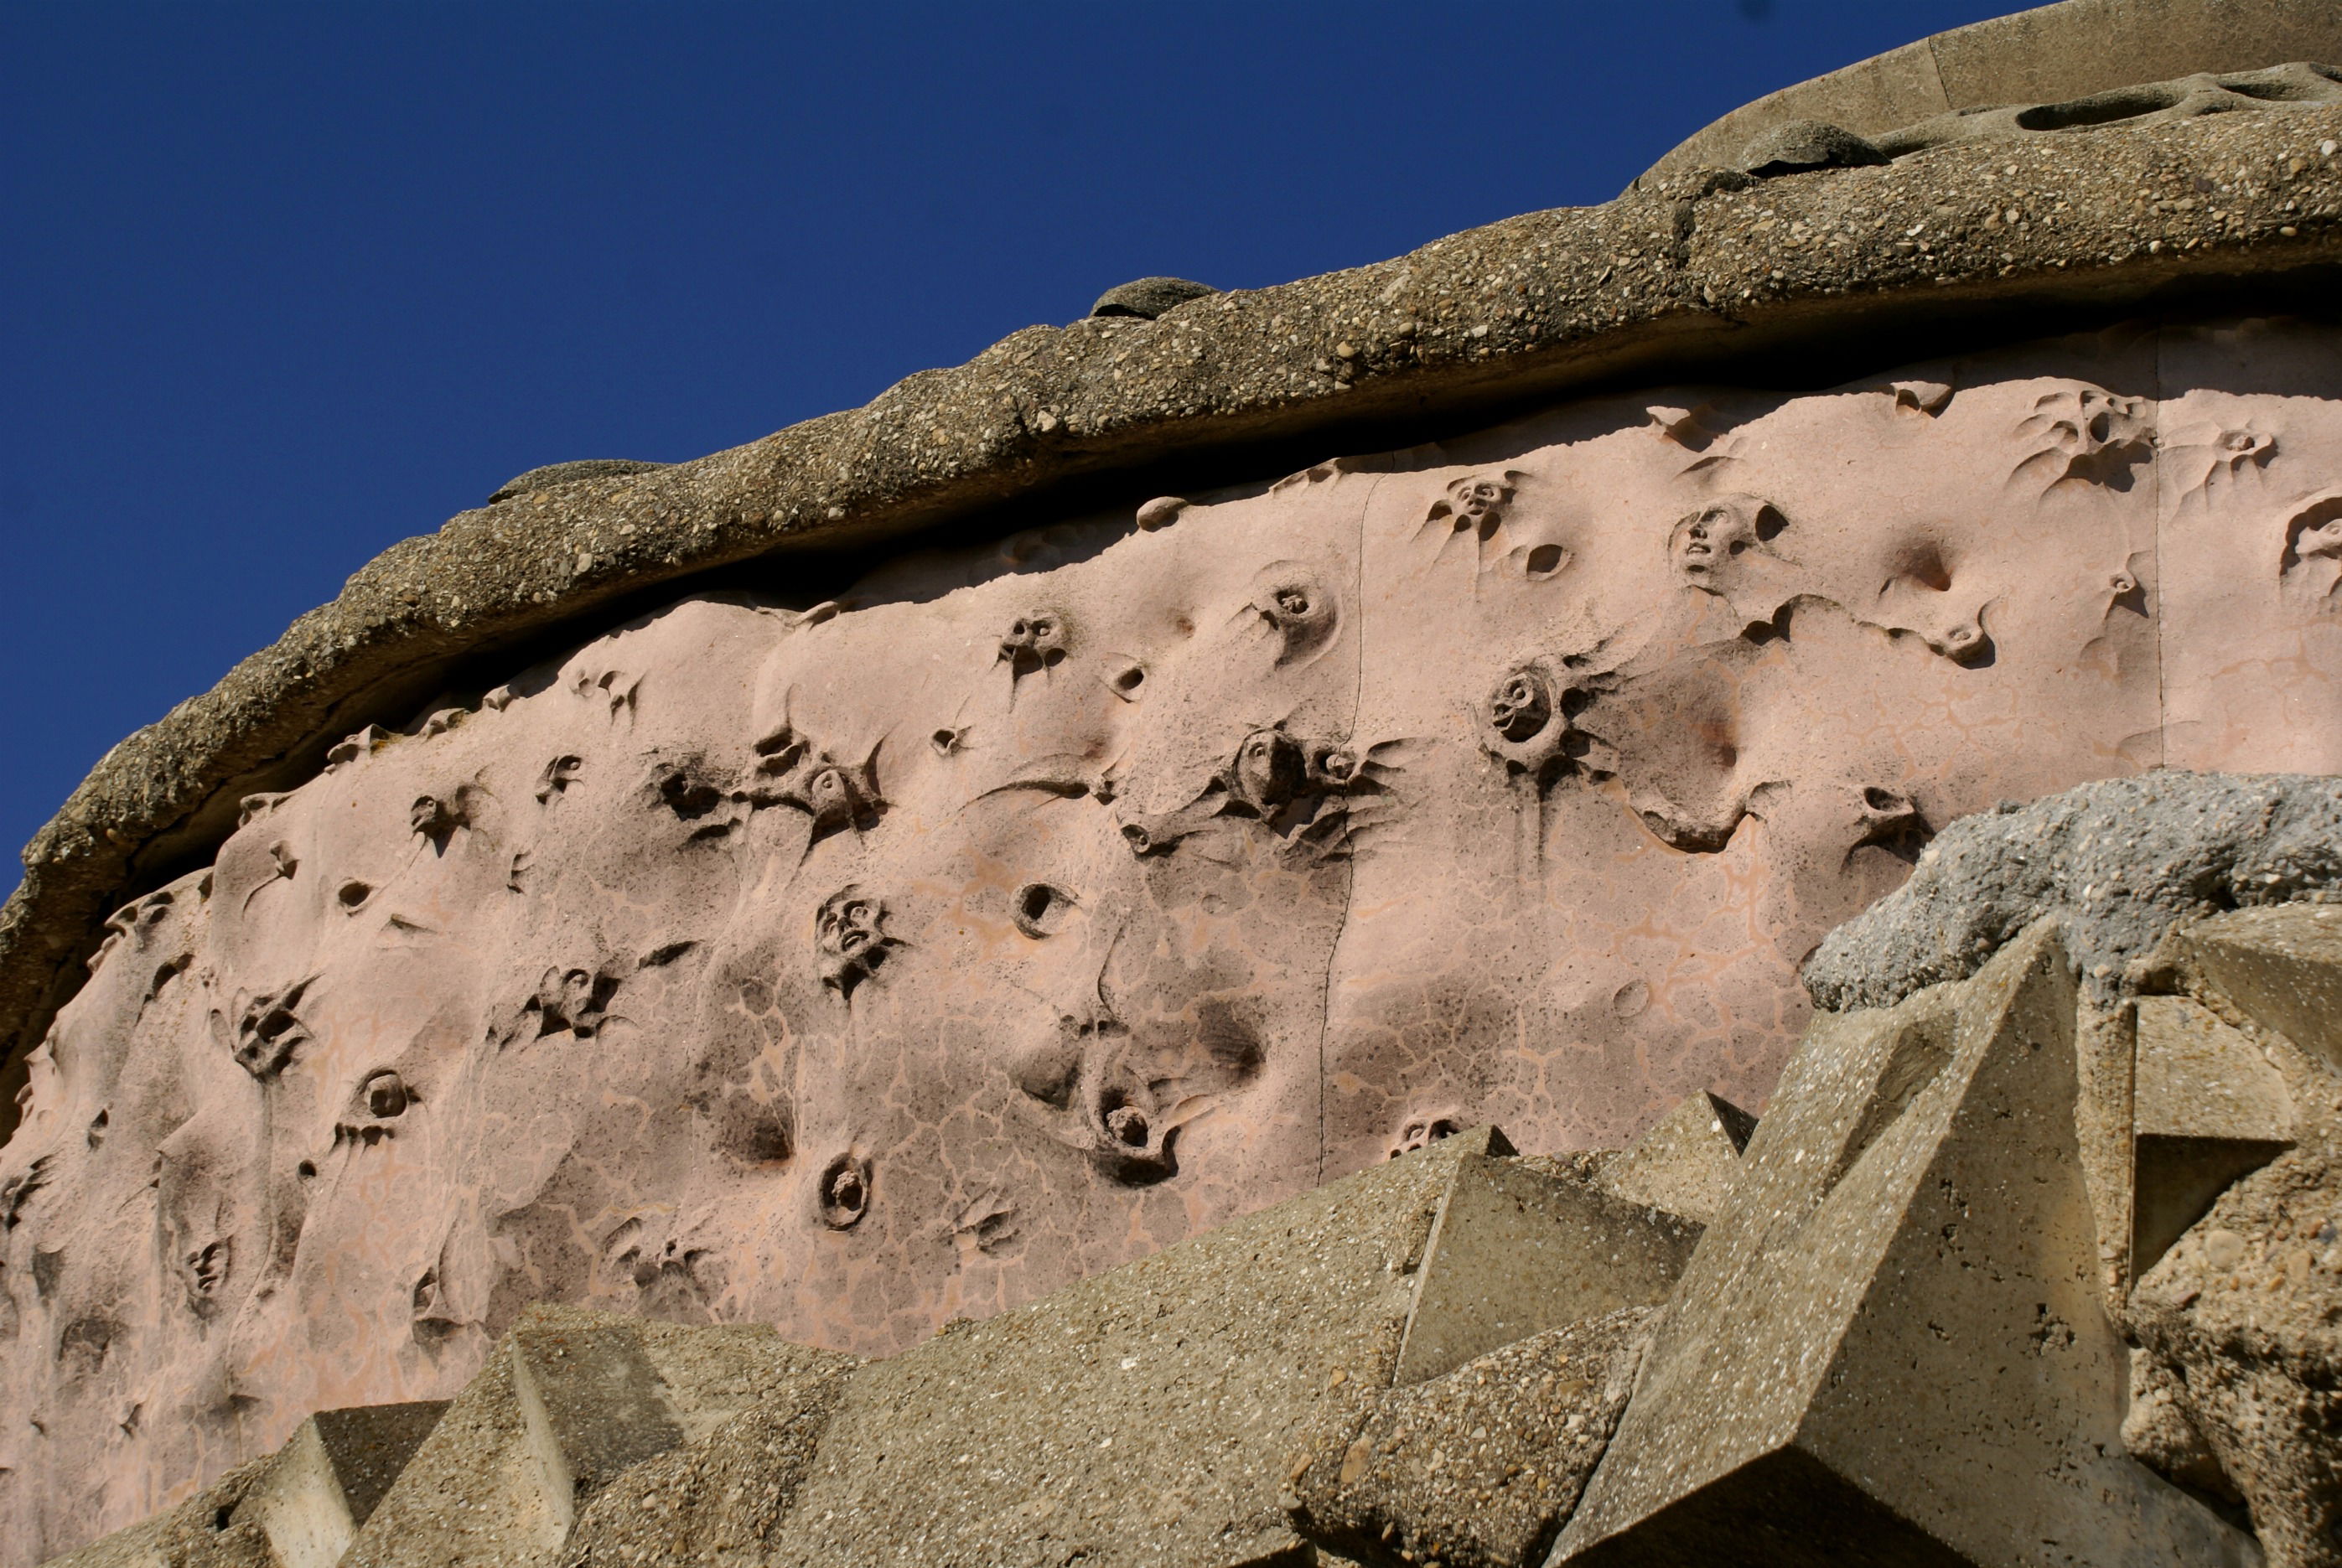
1039, 908
1018, 629
2122, 582
1294, 602
385, 1095
1043, 627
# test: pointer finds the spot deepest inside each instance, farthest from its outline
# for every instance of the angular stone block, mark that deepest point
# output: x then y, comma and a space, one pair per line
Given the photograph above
324, 1482
2207, 1108
1478, 1468
1154, 1414
2283, 965
572, 1401
1515, 1252
1686, 1160
592, 1404
1892, 1348
2235, 1328
722, 1497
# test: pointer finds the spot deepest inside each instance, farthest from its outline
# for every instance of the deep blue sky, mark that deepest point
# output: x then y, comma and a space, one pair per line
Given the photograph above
280, 285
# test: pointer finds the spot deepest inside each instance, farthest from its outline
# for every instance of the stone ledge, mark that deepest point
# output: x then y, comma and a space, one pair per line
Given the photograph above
1800, 278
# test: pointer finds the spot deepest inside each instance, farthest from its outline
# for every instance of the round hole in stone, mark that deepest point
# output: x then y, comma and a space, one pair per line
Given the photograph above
385, 1095
1038, 908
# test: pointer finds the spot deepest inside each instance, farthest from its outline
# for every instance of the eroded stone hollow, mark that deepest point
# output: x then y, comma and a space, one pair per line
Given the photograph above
856, 967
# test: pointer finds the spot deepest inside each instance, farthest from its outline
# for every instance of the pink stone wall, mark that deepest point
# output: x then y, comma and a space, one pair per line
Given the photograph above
1043, 904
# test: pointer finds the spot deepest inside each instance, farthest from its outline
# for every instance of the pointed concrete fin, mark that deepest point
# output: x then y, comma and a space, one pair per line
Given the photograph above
2208, 1109
1685, 1162
592, 1402
327, 1478
1891, 1348
2283, 965
1514, 1252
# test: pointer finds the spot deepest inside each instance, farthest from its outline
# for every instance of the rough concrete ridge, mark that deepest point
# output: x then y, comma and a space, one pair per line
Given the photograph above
2044, 55
2118, 863
1804, 279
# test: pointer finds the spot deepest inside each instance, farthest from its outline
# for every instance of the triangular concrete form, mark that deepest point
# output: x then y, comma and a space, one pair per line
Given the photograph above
2208, 1108
1891, 1348
1687, 1161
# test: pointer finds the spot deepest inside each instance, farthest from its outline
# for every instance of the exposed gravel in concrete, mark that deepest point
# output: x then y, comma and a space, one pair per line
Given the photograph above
2118, 863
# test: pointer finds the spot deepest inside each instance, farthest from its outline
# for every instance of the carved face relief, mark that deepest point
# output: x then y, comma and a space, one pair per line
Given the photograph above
1297, 605
1268, 772
1705, 543
575, 999
268, 1030
1521, 706
380, 1100
1036, 640
2086, 433
1306, 791
850, 937
436, 817
1476, 503
793, 770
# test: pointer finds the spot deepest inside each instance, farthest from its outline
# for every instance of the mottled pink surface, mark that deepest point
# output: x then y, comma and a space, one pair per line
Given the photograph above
1041, 904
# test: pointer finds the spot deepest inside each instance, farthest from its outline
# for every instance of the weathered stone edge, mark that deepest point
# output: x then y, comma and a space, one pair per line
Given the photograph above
2048, 55
1684, 274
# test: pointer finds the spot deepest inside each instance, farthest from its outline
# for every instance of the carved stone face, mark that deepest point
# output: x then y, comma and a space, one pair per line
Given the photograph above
268, 1031
834, 800
1269, 769
1706, 539
1479, 502
850, 936
1035, 641
1521, 706
1298, 608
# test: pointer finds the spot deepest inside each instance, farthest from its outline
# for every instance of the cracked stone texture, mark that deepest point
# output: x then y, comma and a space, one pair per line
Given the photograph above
1480, 1467
2119, 863
1705, 273
1036, 905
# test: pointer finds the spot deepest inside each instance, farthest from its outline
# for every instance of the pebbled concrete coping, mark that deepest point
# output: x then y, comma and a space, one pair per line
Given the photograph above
2052, 52
1801, 280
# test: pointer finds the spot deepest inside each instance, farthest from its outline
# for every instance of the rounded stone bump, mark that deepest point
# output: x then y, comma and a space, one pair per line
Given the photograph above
1150, 297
